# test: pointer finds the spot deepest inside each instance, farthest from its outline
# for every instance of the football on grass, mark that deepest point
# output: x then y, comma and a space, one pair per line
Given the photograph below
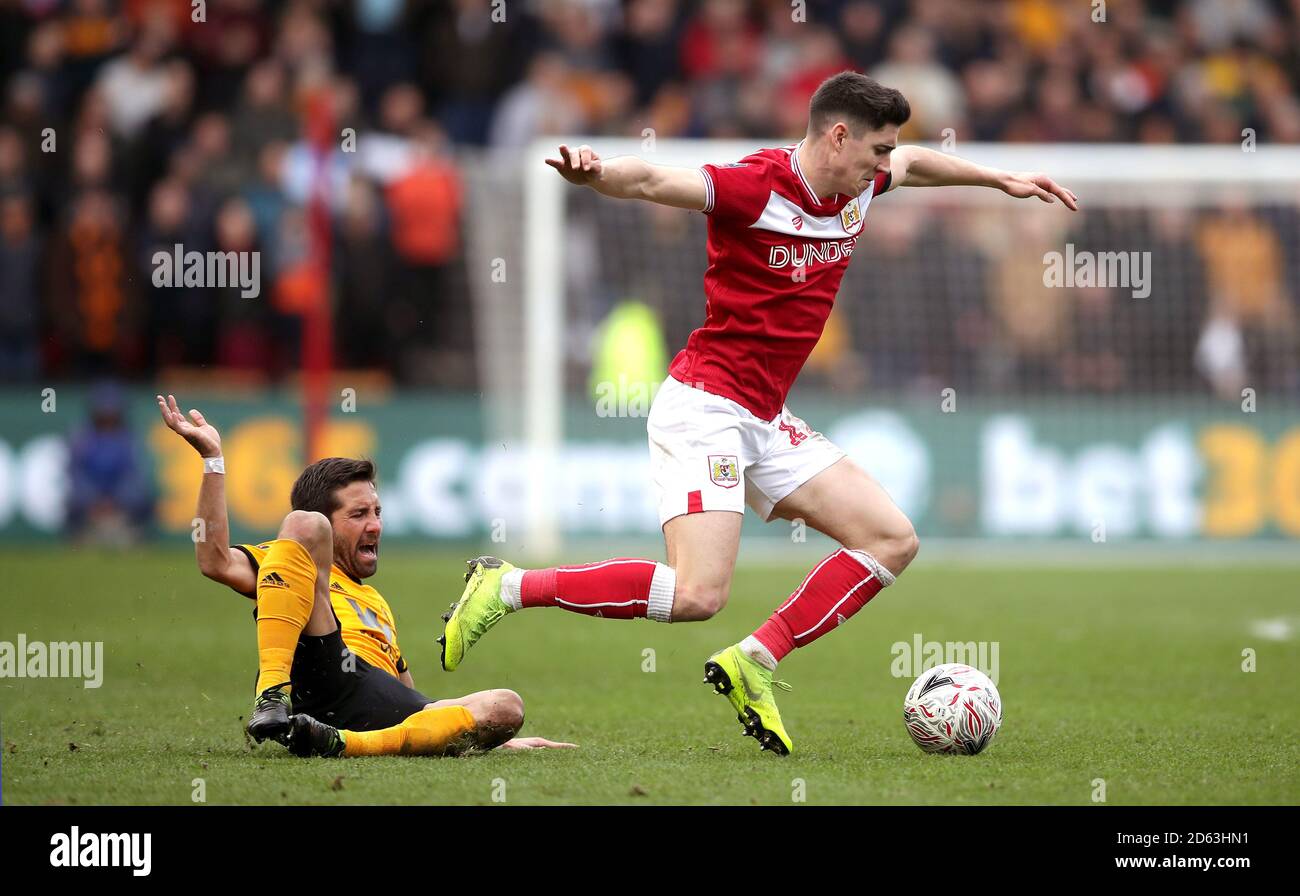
953, 708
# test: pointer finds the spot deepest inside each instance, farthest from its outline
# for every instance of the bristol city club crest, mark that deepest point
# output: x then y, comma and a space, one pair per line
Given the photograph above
724, 470
851, 217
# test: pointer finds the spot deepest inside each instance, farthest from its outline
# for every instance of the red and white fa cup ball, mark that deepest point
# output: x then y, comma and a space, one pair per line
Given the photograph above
953, 708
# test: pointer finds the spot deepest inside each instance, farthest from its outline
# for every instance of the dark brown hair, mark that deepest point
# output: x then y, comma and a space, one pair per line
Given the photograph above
862, 103
316, 485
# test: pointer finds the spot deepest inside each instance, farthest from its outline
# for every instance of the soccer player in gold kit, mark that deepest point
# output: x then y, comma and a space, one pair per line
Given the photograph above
331, 678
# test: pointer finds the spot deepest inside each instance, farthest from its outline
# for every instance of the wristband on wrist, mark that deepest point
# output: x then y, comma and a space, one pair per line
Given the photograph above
214, 464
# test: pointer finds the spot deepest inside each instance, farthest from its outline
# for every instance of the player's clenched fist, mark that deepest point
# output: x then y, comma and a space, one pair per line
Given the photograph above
578, 166
199, 433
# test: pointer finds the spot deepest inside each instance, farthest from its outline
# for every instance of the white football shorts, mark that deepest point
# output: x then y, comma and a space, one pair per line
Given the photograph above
710, 453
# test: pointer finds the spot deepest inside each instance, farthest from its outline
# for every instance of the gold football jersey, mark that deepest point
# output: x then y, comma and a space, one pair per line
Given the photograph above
365, 620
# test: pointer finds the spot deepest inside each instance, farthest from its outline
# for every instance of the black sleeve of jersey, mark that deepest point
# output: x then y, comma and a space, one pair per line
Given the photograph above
251, 595
401, 664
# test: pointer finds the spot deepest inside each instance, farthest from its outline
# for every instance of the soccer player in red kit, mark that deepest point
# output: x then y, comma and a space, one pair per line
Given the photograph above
782, 226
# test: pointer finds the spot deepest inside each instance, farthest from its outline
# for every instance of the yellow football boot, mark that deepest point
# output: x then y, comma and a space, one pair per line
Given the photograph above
748, 685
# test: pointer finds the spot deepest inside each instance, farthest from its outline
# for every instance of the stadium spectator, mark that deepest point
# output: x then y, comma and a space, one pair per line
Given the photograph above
257, 334
369, 324
135, 84
540, 104
647, 45
263, 114
377, 48
93, 304
424, 205
934, 92
148, 157
13, 162
721, 42
1095, 360
1031, 321
20, 252
182, 320
1244, 265
110, 498
472, 57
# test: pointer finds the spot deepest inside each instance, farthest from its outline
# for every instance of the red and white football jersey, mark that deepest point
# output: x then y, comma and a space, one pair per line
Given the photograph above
776, 257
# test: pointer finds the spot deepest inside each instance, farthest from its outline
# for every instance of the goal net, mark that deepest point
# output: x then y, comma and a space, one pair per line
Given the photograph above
1006, 368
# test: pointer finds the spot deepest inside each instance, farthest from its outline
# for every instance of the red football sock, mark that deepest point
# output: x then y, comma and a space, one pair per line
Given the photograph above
837, 588
623, 588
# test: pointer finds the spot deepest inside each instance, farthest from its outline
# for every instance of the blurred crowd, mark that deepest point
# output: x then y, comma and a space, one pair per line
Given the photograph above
130, 126
1219, 305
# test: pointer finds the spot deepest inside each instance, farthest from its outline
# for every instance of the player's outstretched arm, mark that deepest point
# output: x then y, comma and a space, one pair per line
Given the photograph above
916, 166
627, 177
217, 559
535, 743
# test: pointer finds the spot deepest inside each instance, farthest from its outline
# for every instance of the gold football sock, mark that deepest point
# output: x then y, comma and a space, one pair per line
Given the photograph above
286, 589
427, 733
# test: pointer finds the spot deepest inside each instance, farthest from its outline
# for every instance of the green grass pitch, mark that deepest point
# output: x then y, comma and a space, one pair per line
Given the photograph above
1132, 676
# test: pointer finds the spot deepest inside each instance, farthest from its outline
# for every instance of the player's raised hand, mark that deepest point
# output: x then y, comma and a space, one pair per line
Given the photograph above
534, 743
197, 431
1024, 184
578, 166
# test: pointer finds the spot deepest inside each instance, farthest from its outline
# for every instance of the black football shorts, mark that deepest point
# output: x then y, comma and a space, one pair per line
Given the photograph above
336, 687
